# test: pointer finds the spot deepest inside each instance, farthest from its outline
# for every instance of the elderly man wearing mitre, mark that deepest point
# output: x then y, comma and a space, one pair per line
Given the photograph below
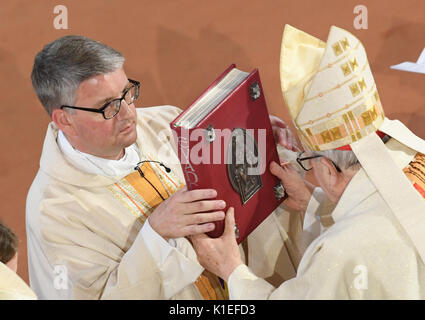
369, 212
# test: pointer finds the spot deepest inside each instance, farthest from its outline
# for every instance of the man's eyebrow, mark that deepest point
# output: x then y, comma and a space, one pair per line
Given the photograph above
104, 101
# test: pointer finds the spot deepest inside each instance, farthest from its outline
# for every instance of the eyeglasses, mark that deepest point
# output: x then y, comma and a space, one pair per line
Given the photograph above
306, 165
111, 108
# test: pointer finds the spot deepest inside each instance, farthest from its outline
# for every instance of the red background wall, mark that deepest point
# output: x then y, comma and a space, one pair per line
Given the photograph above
176, 48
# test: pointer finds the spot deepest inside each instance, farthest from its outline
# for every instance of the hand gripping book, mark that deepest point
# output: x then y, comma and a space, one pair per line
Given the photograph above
225, 142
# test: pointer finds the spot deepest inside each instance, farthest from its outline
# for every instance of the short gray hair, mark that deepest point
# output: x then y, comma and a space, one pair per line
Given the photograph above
343, 158
66, 62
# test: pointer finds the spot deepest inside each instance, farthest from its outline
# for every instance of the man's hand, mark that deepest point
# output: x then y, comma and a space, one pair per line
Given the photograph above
299, 191
220, 255
185, 213
282, 134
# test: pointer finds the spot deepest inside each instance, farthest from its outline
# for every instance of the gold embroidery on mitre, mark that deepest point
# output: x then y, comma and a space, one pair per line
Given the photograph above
345, 44
354, 124
309, 132
345, 69
353, 64
309, 139
305, 138
349, 67
377, 96
357, 87
326, 136
336, 133
310, 122
345, 121
367, 119
354, 89
373, 113
341, 58
340, 46
362, 84
369, 116
338, 86
337, 49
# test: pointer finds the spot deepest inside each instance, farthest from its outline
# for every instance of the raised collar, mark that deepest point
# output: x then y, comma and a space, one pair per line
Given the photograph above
97, 165
358, 189
54, 163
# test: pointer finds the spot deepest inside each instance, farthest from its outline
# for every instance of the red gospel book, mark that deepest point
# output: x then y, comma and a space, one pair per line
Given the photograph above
225, 142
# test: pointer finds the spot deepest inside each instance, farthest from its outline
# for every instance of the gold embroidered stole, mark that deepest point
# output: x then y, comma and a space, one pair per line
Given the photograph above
415, 171
140, 197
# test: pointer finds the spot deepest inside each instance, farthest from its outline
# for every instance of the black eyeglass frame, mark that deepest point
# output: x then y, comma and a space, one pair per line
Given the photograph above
101, 110
300, 159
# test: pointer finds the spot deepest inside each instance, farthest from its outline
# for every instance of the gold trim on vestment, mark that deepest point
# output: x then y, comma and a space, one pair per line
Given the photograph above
415, 171
129, 191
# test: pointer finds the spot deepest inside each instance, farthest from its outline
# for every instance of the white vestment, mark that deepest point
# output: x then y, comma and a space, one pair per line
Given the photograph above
12, 287
364, 254
85, 237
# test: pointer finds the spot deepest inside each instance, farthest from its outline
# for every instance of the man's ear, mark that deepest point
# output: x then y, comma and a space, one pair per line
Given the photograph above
63, 121
330, 169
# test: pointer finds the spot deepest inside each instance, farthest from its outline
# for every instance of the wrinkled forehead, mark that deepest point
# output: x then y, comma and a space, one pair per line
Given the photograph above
101, 87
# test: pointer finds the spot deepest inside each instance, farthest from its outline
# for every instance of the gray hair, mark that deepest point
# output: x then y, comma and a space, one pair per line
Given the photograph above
343, 158
66, 62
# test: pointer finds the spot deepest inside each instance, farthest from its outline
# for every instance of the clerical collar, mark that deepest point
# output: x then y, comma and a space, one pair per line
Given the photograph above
100, 166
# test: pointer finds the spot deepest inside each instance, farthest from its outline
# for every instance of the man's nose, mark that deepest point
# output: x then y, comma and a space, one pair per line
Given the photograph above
125, 110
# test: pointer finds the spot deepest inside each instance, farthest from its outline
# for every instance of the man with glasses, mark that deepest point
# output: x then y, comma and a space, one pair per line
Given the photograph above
111, 108
365, 224
108, 213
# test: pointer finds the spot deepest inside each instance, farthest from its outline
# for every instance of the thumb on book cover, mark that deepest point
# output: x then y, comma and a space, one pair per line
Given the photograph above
229, 228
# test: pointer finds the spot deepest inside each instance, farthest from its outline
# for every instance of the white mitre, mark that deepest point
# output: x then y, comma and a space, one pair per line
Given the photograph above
334, 103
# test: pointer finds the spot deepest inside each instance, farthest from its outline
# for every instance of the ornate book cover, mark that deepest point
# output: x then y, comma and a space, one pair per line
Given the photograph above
225, 142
